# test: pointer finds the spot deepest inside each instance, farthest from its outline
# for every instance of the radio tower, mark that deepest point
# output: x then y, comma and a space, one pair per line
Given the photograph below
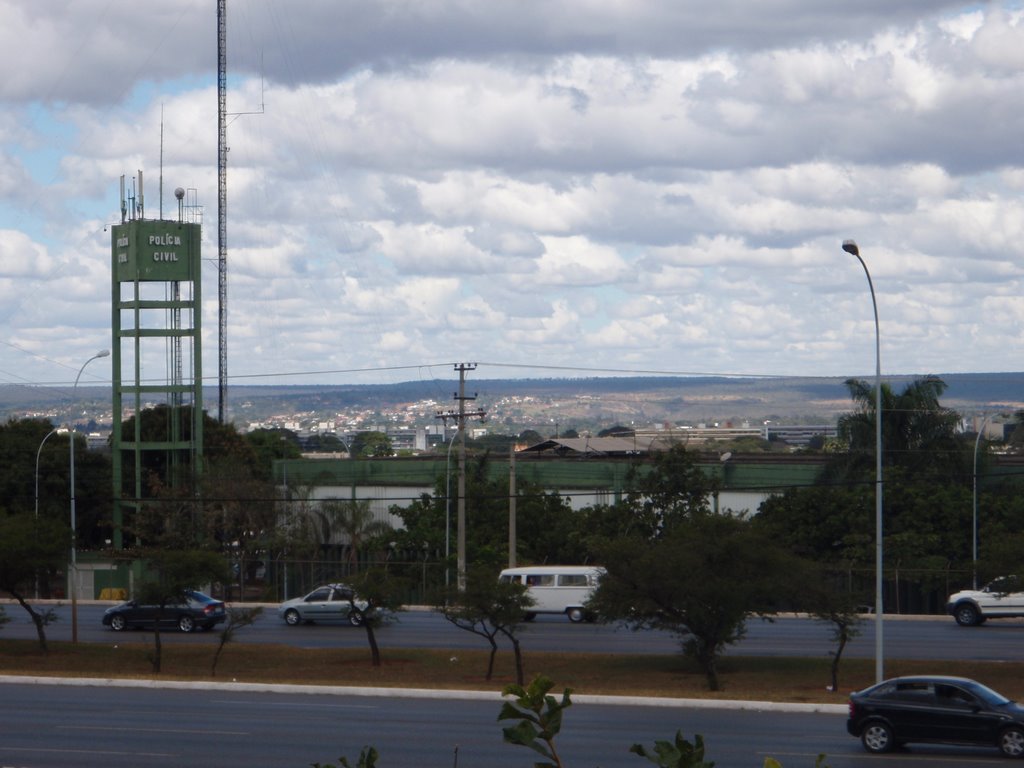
222, 210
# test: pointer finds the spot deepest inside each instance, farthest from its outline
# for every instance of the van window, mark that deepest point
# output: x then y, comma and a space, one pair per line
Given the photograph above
540, 580
572, 580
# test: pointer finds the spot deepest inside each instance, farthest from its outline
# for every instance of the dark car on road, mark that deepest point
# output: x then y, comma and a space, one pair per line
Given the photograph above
192, 610
937, 710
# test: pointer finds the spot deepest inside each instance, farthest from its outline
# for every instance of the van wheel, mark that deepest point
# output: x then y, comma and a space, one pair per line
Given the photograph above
576, 615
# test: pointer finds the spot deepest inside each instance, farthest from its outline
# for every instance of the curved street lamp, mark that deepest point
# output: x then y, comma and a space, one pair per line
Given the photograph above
74, 523
851, 247
974, 526
39, 450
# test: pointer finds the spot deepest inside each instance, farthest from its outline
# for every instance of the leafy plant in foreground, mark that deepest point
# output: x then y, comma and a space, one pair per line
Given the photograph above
539, 716
681, 754
367, 759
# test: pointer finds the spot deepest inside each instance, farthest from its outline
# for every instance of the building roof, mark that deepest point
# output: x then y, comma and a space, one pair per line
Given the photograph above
592, 446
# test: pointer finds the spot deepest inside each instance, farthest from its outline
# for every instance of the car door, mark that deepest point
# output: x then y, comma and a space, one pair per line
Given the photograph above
340, 604
910, 708
961, 717
1004, 597
317, 604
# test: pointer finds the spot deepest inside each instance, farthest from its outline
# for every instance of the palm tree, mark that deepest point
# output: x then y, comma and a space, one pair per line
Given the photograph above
918, 433
352, 522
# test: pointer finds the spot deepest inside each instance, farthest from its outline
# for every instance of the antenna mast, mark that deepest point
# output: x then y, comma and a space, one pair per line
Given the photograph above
222, 209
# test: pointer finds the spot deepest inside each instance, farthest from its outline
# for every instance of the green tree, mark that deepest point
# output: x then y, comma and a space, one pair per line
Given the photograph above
269, 445
376, 596
29, 548
488, 607
169, 573
666, 488
353, 521
918, 433
700, 579
238, 618
371, 444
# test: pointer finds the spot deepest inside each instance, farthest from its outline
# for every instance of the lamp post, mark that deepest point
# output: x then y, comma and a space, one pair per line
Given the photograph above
39, 450
74, 523
974, 526
851, 247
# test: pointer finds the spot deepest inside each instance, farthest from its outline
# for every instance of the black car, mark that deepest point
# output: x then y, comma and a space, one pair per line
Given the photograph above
937, 710
194, 609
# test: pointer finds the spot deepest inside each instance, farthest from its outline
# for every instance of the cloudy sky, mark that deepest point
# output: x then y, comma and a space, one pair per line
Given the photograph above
544, 187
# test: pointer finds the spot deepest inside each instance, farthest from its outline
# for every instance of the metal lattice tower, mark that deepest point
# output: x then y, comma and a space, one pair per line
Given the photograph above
222, 210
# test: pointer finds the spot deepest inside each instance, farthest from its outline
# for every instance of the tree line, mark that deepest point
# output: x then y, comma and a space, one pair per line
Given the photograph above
673, 561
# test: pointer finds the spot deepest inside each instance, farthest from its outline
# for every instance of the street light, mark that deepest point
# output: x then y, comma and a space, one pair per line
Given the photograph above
74, 523
851, 247
974, 527
39, 450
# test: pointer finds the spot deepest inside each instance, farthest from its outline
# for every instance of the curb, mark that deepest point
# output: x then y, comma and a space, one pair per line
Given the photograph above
419, 693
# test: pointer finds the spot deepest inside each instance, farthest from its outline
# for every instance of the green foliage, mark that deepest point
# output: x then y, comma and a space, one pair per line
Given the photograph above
488, 607
367, 759
700, 580
370, 444
269, 445
238, 618
381, 592
664, 489
677, 754
771, 762
548, 530
539, 718
352, 521
31, 549
917, 432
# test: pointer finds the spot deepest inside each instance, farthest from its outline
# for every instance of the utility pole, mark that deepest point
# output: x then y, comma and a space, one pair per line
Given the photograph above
461, 417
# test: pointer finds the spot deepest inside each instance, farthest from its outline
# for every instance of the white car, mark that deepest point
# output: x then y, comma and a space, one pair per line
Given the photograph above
331, 602
1000, 599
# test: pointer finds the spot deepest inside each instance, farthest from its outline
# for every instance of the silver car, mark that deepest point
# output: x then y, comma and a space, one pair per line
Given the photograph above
331, 602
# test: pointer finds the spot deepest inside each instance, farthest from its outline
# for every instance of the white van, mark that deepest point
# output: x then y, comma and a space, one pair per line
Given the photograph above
557, 588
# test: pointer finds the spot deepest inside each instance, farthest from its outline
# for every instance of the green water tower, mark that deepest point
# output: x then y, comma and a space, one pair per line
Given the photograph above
156, 353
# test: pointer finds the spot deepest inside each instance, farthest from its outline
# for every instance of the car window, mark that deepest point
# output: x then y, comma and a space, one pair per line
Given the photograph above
572, 580
1004, 585
918, 692
341, 594
318, 595
951, 695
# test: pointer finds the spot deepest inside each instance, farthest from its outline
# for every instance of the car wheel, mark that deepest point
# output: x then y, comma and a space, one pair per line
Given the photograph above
1011, 742
355, 618
118, 623
966, 615
576, 615
292, 618
877, 737
186, 623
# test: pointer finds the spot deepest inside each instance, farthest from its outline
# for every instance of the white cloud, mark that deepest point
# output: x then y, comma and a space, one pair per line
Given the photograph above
588, 183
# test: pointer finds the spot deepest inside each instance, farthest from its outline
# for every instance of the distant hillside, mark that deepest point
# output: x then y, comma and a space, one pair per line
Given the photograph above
626, 399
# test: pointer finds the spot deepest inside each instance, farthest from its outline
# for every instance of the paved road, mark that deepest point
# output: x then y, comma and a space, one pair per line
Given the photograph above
54, 726
905, 638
